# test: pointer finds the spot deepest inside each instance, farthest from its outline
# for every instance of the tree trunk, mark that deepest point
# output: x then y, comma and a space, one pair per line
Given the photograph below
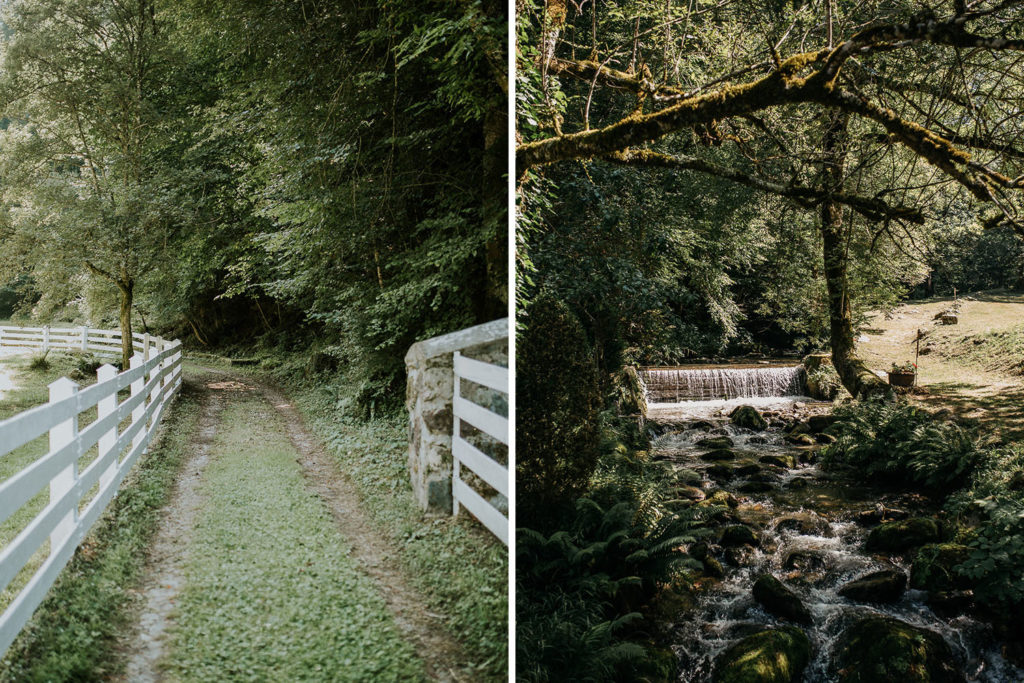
127, 349
858, 379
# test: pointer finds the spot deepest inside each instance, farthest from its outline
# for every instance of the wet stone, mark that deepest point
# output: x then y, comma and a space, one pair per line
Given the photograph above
805, 560
739, 534
774, 656
715, 442
886, 585
784, 461
904, 535
754, 487
806, 524
878, 649
740, 556
719, 454
771, 594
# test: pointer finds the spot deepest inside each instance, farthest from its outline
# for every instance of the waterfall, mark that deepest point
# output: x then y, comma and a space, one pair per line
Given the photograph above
709, 384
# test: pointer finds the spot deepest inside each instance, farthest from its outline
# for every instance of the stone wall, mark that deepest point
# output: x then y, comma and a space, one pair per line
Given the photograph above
428, 400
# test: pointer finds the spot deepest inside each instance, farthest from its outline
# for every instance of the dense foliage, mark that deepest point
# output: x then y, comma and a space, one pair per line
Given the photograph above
236, 171
896, 442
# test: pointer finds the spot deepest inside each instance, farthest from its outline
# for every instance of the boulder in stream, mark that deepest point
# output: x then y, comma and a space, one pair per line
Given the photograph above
779, 600
715, 442
819, 423
935, 568
718, 455
740, 534
904, 534
801, 439
880, 649
778, 655
747, 417
784, 461
754, 486
885, 585
805, 524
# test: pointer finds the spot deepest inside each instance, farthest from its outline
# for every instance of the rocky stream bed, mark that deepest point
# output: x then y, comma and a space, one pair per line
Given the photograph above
813, 576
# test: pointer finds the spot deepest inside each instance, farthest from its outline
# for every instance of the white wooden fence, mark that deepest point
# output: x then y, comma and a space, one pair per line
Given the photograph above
121, 432
101, 342
466, 454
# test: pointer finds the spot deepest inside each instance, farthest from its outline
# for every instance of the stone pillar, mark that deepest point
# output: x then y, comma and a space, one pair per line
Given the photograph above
428, 400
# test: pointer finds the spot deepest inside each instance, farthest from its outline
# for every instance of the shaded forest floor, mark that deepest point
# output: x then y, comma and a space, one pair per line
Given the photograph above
269, 553
975, 368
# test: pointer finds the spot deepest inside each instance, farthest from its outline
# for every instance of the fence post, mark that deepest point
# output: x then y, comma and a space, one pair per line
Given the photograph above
85, 338
107, 406
62, 482
137, 387
46, 338
1, 335
456, 465
145, 347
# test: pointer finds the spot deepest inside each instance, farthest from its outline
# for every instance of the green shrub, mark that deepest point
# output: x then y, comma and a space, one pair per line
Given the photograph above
897, 443
827, 380
579, 590
558, 429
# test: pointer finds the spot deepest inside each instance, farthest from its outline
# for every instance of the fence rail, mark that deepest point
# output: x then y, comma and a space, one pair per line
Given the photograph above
86, 339
120, 433
489, 470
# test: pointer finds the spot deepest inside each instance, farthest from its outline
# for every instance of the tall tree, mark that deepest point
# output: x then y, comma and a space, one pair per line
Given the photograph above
912, 85
83, 85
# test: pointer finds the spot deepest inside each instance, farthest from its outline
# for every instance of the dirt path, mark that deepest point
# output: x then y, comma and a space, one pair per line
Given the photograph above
164, 575
175, 587
440, 652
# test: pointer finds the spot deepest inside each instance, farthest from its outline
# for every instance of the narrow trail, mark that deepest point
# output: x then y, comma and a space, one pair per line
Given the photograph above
256, 469
165, 570
440, 652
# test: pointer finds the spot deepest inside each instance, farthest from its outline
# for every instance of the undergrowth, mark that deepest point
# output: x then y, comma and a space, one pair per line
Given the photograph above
897, 443
999, 351
459, 567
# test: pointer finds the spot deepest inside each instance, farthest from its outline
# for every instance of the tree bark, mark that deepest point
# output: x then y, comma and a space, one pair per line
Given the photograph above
858, 379
126, 288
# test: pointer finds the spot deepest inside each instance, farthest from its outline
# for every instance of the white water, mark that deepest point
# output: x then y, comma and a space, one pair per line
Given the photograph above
727, 611
710, 384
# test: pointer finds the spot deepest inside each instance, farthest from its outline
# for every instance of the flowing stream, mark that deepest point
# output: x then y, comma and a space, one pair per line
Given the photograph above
809, 539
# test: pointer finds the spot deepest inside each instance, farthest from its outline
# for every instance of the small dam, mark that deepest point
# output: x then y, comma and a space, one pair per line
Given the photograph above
717, 383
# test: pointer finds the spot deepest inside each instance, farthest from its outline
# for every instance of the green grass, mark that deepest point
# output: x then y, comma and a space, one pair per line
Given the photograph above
272, 590
457, 565
998, 351
74, 632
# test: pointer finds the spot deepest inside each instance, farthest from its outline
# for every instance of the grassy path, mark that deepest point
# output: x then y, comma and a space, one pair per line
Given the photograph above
272, 589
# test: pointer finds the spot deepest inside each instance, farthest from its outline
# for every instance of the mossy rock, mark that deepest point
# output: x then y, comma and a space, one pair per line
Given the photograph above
904, 534
755, 487
801, 440
785, 461
935, 568
740, 534
885, 585
804, 523
747, 417
771, 594
718, 455
882, 649
819, 423
778, 655
715, 442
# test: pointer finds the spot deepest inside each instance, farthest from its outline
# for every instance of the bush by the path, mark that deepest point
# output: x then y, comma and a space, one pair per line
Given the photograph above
894, 442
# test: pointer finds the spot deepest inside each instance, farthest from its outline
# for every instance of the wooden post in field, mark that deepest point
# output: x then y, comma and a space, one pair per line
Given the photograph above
140, 410
62, 482
456, 468
85, 338
917, 354
107, 406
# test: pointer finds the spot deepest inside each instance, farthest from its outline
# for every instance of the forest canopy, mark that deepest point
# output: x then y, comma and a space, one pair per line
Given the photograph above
241, 171
756, 173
